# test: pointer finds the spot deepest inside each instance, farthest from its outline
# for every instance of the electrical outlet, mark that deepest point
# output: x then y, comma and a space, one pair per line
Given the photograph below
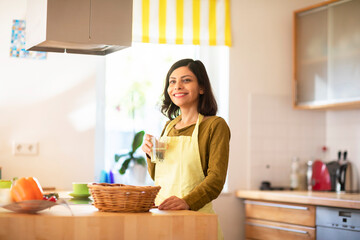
25, 148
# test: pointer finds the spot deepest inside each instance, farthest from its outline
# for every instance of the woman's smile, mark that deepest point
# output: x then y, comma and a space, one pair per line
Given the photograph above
179, 94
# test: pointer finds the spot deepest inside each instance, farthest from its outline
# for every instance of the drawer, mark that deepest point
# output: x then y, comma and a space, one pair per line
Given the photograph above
266, 230
281, 212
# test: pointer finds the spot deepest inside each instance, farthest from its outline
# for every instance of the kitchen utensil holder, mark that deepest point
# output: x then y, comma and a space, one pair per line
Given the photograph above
123, 198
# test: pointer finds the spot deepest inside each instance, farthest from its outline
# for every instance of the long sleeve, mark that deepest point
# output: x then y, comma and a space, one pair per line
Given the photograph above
151, 167
214, 139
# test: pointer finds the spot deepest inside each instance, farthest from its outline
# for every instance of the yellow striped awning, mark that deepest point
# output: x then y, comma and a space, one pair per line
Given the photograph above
205, 22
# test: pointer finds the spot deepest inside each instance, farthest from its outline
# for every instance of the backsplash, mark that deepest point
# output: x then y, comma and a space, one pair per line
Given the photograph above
343, 133
277, 134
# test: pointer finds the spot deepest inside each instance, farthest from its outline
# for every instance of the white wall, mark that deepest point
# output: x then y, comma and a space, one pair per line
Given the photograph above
50, 101
260, 63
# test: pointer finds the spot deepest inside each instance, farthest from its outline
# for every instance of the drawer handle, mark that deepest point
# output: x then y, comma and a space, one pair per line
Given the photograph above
278, 228
276, 205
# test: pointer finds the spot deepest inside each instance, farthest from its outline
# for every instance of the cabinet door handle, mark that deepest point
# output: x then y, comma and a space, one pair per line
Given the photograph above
276, 205
277, 228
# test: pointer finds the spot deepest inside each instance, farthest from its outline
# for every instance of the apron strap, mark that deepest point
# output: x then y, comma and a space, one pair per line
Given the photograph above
171, 124
177, 119
196, 129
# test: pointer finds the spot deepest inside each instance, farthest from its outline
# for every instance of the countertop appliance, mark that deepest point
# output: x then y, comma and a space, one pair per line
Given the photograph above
333, 168
338, 175
346, 177
320, 177
96, 27
337, 223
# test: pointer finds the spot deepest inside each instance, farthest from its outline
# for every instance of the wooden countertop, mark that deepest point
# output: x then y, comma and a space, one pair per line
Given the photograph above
331, 199
89, 223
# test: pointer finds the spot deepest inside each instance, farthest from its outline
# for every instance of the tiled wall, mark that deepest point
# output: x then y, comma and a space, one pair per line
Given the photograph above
277, 134
343, 133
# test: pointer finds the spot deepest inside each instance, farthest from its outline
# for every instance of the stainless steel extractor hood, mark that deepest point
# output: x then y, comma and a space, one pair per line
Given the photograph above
95, 27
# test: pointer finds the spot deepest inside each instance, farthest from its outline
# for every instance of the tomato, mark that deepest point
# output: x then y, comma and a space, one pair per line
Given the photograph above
26, 189
52, 199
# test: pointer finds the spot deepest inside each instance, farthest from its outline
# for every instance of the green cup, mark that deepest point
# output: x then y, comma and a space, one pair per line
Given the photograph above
5, 183
80, 188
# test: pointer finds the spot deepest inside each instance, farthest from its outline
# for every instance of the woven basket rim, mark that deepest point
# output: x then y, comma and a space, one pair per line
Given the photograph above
123, 198
118, 186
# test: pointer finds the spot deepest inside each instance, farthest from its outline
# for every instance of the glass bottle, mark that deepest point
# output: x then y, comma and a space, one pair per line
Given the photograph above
309, 175
294, 175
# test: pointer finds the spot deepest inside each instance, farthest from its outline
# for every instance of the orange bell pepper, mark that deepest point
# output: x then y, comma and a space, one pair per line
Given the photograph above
37, 189
26, 189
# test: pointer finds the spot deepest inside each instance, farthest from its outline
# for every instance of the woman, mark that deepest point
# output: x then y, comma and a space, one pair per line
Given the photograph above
194, 170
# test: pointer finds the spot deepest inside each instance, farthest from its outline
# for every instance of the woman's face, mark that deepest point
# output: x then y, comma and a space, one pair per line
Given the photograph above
184, 89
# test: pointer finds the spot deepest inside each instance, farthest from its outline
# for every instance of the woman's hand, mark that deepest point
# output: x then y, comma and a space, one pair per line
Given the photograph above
147, 145
174, 203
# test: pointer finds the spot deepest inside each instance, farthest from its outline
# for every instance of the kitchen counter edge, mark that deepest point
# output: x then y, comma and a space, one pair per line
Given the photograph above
330, 199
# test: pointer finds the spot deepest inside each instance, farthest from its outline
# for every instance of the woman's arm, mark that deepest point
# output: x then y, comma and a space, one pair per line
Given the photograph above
217, 145
151, 167
146, 147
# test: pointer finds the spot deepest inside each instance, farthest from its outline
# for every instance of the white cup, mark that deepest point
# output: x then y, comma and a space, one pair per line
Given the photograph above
158, 150
5, 196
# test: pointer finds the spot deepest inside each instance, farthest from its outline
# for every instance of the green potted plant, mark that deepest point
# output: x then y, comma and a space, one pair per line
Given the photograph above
130, 156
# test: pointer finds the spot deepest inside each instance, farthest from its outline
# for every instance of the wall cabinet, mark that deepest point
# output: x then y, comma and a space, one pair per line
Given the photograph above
274, 220
327, 56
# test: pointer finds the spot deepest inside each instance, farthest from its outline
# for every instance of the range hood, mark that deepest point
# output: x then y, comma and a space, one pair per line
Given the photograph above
96, 27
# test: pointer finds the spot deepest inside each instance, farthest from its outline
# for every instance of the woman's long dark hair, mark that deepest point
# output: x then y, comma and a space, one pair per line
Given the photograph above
207, 105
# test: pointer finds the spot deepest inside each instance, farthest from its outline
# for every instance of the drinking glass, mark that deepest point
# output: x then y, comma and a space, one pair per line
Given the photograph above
158, 150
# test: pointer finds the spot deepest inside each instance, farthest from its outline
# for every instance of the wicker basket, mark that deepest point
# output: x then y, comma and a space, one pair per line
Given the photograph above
123, 198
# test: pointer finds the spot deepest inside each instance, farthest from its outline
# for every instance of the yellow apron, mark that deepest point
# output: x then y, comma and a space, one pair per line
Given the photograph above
181, 170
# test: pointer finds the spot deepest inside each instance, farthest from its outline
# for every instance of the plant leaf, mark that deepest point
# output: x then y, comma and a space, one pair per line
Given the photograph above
141, 160
124, 166
117, 156
138, 140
